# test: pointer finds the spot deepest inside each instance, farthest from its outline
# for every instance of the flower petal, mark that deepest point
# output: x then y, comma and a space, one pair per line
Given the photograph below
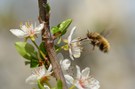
32, 79
77, 84
19, 33
41, 70
76, 48
76, 51
93, 84
39, 28
60, 56
71, 33
78, 72
65, 64
85, 73
69, 79
50, 68
46, 87
24, 28
70, 53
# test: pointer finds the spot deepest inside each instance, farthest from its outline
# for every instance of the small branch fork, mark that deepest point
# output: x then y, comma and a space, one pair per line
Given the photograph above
46, 37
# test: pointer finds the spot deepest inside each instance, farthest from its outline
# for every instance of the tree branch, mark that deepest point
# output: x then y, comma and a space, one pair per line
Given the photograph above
46, 37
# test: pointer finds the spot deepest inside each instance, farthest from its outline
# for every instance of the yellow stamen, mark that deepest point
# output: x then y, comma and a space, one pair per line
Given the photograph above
21, 24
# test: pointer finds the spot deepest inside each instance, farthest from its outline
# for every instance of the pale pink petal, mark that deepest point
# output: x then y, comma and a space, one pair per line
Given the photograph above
19, 33
78, 71
77, 84
71, 33
24, 28
60, 56
76, 48
93, 83
50, 68
70, 53
41, 70
32, 79
39, 28
85, 73
65, 64
76, 52
69, 79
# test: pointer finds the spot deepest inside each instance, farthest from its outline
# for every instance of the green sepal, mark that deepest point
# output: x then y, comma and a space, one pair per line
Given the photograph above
40, 86
59, 40
57, 48
59, 84
65, 47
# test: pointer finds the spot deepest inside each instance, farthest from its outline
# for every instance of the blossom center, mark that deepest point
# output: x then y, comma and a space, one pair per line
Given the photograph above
30, 29
31, 32
81, 82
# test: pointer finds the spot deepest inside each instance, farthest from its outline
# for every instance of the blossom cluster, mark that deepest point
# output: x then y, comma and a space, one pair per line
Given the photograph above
83, 79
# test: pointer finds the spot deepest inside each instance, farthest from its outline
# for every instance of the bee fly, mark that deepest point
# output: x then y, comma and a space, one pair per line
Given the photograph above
99, 41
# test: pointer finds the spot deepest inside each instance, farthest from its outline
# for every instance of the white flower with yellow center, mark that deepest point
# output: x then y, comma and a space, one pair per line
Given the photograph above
39, 73
83, 79
27, 30
74, 46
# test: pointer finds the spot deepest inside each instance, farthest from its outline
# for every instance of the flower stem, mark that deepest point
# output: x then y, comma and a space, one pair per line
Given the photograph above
72, 87
39, 49
62, 47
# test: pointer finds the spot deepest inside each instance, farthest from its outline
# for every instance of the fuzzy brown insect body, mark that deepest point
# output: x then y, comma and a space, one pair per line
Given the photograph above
99, 41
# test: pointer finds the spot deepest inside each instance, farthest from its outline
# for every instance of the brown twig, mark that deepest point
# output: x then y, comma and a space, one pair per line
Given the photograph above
46, 37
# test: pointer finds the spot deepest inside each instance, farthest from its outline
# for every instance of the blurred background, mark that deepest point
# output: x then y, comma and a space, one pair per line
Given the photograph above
114, 70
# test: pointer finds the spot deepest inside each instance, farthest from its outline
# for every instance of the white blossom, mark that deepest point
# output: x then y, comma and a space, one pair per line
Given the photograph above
74, 46
65, 63
27, 30
39, 73
83, 79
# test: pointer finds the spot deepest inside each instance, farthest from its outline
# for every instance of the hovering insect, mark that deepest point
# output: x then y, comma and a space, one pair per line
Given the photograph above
99, 41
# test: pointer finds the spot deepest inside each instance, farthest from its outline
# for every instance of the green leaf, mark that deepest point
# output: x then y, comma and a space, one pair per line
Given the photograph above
59, 84
40, 86
61, 28
42, 47
24, 49
33, 62
27, 62
55, 30
64, 25
27, 51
